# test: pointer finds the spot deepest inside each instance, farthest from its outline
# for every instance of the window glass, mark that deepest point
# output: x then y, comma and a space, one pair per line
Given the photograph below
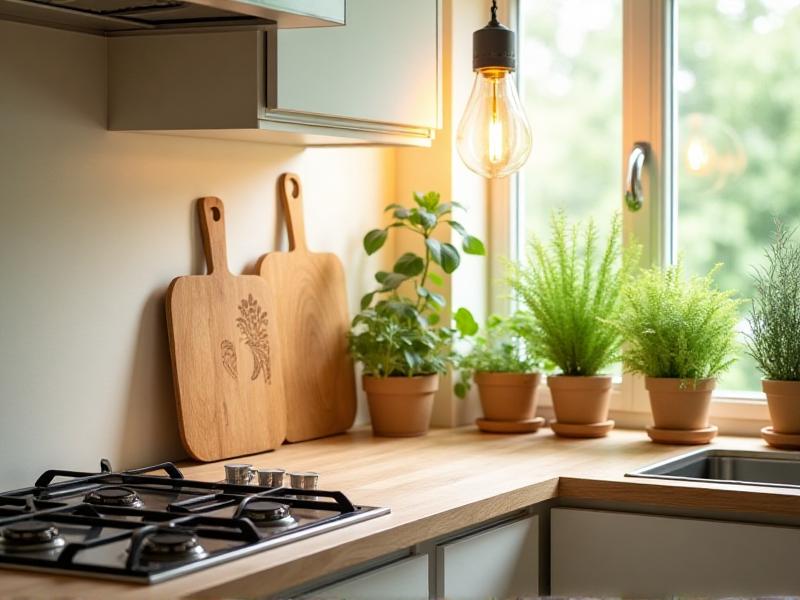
571, 84
738, 139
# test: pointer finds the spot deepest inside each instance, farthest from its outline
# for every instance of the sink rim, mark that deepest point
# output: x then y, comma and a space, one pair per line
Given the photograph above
651, 471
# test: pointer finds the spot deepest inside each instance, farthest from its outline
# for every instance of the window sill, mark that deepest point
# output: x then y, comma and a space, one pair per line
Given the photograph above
739, 414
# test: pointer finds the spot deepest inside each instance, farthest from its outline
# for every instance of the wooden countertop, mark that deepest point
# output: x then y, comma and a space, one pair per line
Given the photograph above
434, 485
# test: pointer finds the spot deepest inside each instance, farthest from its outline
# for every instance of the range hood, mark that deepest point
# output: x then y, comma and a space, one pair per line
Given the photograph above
129, 17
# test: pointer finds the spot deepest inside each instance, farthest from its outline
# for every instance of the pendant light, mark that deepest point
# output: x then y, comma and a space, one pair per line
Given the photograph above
494, 137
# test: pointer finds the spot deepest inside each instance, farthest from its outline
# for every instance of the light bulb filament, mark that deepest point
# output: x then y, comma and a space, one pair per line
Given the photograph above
495, 130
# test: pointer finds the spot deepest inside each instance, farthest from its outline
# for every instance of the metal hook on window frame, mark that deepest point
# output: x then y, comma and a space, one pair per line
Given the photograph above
634, 195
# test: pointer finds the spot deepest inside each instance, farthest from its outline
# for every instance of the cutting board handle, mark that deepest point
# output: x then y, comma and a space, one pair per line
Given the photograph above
292, 200
212, 224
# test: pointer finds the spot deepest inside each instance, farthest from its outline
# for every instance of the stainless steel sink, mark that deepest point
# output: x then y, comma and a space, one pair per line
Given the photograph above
774, 469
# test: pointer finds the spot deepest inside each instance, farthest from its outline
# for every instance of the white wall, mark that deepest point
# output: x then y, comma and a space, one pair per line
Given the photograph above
94, 225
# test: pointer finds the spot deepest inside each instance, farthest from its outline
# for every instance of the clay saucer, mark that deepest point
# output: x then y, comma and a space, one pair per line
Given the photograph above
683, 436
784, 441
589, 430
526, 426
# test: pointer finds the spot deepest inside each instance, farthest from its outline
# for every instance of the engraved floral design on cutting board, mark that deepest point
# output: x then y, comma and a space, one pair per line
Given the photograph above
254, 325
229, 358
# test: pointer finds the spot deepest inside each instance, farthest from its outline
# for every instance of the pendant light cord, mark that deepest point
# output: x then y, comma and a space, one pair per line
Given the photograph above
494, 22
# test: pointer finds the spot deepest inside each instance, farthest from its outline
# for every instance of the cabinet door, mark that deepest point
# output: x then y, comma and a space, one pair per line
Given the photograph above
501, 562
631, 555
405, 579
381, 67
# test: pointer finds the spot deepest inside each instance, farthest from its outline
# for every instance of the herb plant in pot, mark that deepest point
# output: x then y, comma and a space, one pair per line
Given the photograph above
397, 336
569, 286
503, 365
774, 339
680, 333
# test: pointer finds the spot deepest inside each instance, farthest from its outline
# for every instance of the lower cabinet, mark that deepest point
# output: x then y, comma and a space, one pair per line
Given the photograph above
406, 579
604, 553
497, 561
501, 562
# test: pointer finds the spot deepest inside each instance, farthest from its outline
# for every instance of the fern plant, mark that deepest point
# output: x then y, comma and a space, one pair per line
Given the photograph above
774, 339
569, 285
677, 327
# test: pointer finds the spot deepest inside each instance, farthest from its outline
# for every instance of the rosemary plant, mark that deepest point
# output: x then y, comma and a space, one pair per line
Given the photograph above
774, 339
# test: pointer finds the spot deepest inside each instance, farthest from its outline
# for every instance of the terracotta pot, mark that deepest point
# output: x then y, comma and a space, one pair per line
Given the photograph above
680, 403
783, 399
508, 396
400, 406
580, 400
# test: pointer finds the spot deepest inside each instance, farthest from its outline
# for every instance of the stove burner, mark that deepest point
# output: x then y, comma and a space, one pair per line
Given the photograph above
265, 512
114, 496
171, 544
31, 535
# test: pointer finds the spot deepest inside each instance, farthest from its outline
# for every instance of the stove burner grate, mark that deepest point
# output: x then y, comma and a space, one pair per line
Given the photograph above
146, 528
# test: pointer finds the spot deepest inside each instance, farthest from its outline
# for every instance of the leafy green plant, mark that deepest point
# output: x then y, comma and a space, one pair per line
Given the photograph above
677, 327
505, 347
399, 335
774, 339
569, 287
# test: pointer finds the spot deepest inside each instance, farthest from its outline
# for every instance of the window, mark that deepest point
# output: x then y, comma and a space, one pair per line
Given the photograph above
711, 86
738, 139
571, 86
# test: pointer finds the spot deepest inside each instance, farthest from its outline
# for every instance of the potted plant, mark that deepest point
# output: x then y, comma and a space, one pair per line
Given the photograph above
680, 333
773, 341
397, 337
569, 286
502, 364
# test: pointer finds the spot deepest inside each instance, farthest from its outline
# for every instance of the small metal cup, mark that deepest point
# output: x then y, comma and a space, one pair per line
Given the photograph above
304, 480
271, 477
238, 474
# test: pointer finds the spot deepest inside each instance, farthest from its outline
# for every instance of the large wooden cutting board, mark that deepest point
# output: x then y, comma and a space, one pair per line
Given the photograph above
312, 324
225, 354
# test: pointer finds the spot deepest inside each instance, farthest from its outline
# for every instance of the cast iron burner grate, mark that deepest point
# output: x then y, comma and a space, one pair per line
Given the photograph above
145, 527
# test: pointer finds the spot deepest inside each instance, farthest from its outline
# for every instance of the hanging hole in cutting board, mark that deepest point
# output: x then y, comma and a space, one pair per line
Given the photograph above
295, 188
215, 213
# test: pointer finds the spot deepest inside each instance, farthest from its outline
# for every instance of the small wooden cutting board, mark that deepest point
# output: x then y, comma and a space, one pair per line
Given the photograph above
312, 324
225, 354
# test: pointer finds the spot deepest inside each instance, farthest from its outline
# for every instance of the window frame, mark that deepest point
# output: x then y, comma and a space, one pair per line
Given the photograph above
649, 112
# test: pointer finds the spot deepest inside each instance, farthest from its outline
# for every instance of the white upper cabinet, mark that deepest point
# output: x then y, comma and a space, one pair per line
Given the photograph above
374, 80
381, 67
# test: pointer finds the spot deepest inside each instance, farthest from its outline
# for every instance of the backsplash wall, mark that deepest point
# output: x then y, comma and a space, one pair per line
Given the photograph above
94, 226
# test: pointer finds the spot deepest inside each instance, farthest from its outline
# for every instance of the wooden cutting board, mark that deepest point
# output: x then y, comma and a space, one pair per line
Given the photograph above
225, 354
312, 324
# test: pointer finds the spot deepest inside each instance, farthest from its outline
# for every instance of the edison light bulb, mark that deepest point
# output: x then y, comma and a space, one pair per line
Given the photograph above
494, 138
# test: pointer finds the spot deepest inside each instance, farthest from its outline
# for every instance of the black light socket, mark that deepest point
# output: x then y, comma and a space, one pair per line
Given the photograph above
494, 46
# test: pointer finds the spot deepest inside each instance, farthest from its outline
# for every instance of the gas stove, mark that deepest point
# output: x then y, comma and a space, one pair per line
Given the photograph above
144, 527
